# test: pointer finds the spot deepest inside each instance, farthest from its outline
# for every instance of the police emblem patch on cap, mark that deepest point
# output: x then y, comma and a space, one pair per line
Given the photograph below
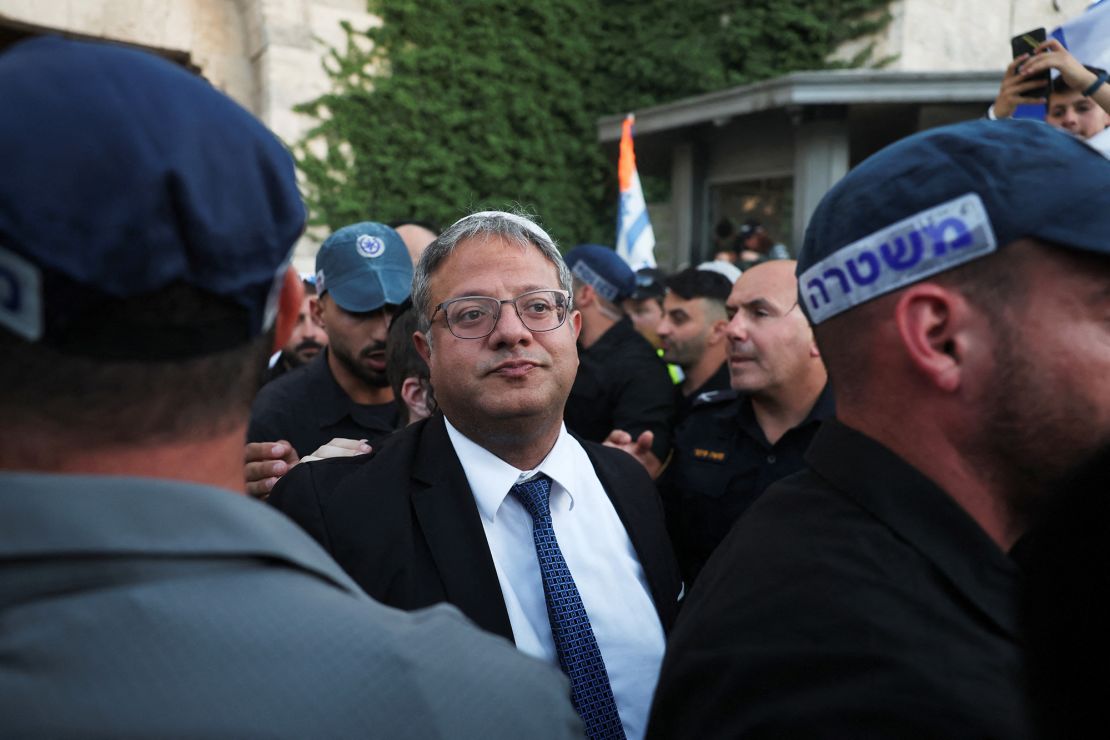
320, 287
370, 246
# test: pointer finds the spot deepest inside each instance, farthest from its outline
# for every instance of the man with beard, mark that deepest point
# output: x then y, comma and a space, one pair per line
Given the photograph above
363, 272
957, 282
307, 339
692, 331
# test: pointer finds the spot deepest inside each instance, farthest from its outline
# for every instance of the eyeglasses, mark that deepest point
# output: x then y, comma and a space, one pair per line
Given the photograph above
475, 316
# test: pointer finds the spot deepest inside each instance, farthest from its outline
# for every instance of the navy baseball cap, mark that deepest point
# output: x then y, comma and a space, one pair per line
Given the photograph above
363, 267
943, 197
649, 284
602, 269
124, 174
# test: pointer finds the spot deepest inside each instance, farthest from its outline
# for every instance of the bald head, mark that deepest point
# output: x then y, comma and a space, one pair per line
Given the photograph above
416, 239
773, 278
771, 351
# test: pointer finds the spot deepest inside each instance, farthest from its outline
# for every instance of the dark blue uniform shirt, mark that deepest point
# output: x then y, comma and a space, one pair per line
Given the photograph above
722, 463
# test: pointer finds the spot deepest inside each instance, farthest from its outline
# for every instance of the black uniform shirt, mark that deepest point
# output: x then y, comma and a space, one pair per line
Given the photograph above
307, 407
722, 463
718, 381
856, 599
622, 384
282, 367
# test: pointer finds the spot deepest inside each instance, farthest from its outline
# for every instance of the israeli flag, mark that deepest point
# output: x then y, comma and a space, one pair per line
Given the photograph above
1088, 36
635, 239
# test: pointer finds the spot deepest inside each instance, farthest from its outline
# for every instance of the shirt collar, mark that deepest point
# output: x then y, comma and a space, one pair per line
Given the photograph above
718, 381
333, 404
491, 478
824, 408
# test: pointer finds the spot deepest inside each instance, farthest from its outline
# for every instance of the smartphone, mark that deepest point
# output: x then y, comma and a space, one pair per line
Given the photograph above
1025, 43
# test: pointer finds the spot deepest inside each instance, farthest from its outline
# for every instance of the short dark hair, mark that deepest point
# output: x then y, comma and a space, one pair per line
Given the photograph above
694, 283
107, 401
403, 361
991, 283
724, 229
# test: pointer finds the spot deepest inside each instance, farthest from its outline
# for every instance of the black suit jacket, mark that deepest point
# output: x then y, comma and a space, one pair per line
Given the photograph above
403, 523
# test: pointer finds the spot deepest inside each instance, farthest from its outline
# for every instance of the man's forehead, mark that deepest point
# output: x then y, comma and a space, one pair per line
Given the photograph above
482, 273
773, 282
1065, 97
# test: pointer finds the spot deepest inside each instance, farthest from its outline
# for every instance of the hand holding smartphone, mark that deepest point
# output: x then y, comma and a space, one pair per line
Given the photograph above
1027, 43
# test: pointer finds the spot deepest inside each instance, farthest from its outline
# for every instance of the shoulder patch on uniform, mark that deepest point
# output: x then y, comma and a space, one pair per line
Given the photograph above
711, 397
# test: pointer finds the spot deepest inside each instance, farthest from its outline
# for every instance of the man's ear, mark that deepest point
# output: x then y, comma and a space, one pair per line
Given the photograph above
289, 308
575, 321
584, 296
814, 350
414, 394
317, 307
718, 332
423, 347
933, 324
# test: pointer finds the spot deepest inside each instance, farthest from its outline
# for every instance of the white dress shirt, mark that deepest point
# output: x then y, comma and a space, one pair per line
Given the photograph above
598, 552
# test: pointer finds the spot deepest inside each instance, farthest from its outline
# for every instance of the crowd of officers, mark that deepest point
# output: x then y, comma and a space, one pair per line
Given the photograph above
722, 402
498, 491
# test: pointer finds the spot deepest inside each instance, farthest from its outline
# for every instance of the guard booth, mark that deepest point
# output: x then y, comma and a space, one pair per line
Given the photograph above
771, 150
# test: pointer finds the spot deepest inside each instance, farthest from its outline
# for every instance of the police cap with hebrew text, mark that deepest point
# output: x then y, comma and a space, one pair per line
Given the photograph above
124, 175
943, 197
602, 269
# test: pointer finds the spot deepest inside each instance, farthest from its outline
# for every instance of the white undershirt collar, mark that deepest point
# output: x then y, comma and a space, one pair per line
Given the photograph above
490, 477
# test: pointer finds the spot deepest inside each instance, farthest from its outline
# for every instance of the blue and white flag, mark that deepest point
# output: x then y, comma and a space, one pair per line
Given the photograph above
635, 239
1087, 38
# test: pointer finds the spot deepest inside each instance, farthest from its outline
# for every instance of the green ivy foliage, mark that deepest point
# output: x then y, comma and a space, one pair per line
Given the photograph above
456, 105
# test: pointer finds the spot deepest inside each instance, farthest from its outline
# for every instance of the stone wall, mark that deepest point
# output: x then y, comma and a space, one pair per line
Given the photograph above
956, 35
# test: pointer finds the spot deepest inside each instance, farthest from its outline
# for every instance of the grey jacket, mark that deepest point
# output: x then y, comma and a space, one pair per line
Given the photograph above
136, 607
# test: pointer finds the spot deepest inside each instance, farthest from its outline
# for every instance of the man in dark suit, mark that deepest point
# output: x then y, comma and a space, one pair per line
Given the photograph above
490, 504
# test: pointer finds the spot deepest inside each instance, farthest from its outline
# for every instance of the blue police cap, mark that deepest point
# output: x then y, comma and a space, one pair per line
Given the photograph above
944, 197
363, 267
602, 269
124, 174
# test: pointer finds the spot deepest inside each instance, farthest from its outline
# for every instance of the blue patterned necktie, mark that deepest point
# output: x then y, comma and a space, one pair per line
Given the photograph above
579, 655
